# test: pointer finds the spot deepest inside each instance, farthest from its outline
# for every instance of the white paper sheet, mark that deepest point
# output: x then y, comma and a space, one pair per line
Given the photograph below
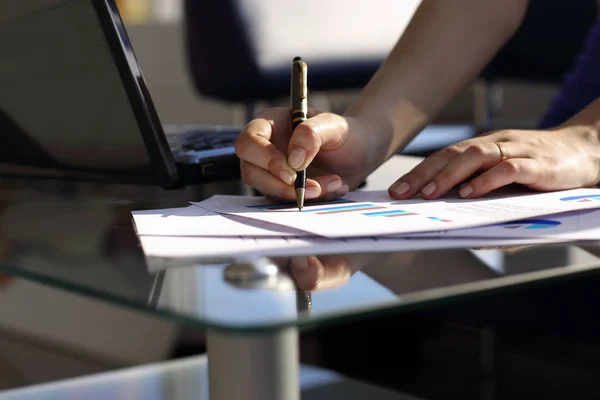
197, 221
164, 251
374, 213
576, 225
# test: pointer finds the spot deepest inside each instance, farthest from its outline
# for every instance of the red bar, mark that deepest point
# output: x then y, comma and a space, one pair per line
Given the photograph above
399, 215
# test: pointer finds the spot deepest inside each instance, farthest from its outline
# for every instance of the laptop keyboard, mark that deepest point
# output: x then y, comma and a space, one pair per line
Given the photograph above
192, 144
200, 138
201, 142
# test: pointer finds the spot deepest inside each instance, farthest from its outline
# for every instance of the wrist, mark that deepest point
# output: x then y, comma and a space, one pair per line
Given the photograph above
586, 138
392, 125
591, 135
372, 136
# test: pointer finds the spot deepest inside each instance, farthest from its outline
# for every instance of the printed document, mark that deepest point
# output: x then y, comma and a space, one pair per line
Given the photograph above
375, 213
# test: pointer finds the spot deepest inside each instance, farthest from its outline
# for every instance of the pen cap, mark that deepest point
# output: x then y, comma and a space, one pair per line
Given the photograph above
299, 89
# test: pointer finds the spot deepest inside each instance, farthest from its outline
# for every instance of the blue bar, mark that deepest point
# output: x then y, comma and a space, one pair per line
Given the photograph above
340, 208
581, 197
391, 212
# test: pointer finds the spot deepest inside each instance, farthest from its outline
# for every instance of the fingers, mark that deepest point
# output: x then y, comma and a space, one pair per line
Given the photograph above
264, 141
477, 157
413, 182
269, 185
446, 169
323, 132
331, 186
516, 170
254, 147
312, 273
322, 187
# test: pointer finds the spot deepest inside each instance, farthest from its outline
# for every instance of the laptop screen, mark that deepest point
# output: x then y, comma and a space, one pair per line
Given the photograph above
65, 107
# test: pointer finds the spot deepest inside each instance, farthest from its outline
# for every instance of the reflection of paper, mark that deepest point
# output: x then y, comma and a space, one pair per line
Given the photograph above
374, 213
576, 225
196, 221
165, 251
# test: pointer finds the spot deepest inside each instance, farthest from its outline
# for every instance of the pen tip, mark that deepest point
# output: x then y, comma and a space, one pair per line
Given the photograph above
297, 59
300, 198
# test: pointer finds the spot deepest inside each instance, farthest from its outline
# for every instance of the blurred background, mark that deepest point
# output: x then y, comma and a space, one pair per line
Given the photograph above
156, 29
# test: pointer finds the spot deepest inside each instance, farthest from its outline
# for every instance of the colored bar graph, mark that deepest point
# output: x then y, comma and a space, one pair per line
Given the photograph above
345, 209
439, 219
390, 213
581, 198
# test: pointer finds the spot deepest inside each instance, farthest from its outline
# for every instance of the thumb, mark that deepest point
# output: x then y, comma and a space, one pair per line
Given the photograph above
325, 131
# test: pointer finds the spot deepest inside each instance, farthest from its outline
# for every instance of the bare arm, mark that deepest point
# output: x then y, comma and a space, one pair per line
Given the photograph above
445, 46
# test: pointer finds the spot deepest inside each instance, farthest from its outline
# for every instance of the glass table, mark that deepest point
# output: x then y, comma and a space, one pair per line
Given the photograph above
79, 237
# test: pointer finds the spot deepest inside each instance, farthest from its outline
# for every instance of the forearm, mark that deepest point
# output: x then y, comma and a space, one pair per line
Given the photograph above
445, 46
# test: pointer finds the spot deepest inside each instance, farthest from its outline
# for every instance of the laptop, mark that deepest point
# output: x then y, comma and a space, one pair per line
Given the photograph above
74, 104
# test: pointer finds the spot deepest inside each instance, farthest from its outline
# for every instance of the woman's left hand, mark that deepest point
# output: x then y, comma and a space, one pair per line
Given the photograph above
559, 159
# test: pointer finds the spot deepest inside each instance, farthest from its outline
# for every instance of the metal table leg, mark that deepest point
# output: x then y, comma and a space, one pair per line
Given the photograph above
255, 366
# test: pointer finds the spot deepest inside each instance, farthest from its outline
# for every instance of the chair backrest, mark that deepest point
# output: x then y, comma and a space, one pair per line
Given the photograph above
241, 50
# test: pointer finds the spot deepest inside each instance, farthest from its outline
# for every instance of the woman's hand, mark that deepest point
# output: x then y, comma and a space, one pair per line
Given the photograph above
558, 159
339, 152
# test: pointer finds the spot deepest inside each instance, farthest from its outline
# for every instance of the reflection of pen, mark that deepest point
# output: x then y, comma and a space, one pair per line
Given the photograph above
299, 92
303, 302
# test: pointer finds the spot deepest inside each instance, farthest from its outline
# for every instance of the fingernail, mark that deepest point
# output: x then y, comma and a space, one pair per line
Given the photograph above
427, 190
334, 186
466, 191
299, 262
343, 190
400, 188
286, 177
311, 192
296, 158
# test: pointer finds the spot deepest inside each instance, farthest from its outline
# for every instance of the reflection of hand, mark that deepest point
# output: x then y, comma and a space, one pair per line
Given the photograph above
560, 159
317, 273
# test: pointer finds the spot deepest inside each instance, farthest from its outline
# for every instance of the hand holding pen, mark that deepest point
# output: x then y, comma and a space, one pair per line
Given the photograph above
299, 104
336, 152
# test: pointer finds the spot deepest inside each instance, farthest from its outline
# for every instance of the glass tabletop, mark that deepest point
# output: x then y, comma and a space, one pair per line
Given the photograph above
79, 237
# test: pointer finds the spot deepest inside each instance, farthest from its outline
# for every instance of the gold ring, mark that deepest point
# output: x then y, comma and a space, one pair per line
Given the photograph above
503, 155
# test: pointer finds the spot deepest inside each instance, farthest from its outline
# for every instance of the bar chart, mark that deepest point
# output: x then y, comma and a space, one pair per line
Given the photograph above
390, 213
439, 219
344, 206
581, 198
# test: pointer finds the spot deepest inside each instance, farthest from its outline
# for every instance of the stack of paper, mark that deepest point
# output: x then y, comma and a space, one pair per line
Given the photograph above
224, 228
